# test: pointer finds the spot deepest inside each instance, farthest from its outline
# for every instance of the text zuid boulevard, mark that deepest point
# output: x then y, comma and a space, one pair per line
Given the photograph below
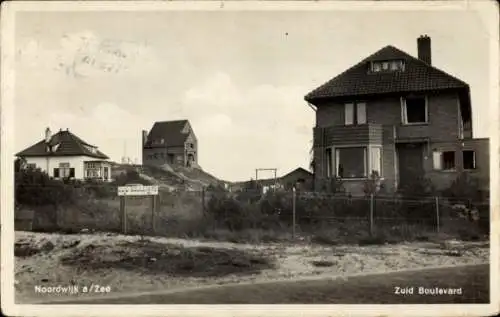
432, 291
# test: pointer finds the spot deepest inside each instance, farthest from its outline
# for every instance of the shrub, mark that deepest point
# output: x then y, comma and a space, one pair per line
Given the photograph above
35, 188
418, 186
373, 185
130, 176
464, 189
99, 189
332, 185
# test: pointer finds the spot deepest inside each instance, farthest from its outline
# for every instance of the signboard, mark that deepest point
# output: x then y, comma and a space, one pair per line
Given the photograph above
137, 190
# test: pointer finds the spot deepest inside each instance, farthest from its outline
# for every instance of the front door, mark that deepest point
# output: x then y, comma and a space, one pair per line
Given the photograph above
410, 162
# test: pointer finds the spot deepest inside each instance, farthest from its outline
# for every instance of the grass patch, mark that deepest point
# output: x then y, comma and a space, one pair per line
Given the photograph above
151, 257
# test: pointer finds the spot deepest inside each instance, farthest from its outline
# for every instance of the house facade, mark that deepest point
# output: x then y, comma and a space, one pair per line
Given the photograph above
170, 142
64, 155
399, 116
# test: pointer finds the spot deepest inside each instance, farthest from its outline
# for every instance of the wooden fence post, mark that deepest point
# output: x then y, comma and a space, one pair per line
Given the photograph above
203, 200
294, 198
371, 214
123, 215
437, 213
153, 212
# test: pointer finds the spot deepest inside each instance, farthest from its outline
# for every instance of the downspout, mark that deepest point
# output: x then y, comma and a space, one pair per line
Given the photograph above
314, 161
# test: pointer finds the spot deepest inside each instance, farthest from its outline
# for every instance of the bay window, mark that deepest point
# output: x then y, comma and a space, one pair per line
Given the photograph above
357, 162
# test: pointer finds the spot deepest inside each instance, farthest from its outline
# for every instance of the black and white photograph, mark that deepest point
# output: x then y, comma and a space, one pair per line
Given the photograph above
230, 152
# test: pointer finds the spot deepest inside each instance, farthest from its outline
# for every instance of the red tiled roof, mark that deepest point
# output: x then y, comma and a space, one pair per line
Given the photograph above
170, 131
69, 145
358, 81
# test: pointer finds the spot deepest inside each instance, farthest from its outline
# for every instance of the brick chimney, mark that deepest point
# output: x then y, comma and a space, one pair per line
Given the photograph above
48, 135
144, 137
424, 49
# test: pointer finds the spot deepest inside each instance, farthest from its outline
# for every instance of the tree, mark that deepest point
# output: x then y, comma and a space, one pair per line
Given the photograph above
19, 164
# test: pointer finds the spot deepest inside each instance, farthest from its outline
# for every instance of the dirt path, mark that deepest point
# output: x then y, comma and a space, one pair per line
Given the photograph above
127, 265
322, 277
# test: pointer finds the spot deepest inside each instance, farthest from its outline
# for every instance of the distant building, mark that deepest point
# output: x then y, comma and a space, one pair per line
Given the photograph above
170, 142
399, 116
64, 155
299, 178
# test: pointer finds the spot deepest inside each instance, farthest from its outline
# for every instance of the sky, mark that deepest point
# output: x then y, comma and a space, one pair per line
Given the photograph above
239, 77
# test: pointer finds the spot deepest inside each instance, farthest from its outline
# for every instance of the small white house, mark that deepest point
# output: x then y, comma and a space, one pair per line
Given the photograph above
64, 155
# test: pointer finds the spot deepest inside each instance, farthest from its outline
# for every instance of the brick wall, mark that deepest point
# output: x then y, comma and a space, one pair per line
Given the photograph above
443, 126
442, 113
160, 156
443, 179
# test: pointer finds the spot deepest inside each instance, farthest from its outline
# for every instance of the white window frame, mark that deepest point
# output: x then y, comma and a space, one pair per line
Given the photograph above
375, 65
355, 109
474, 161
349, 120
438, 161
360, 105
64, 170
404, 117
378, 66
365, 160
380, 159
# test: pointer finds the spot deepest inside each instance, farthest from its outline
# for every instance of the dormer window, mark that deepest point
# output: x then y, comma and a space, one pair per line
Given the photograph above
91, 149
386, 66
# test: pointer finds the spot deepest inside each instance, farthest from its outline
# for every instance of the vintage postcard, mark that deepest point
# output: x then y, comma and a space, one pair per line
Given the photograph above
241, 158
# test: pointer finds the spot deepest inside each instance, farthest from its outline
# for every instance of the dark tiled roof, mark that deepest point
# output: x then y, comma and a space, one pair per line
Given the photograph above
357, 81
170, 131
69, 145
297, 170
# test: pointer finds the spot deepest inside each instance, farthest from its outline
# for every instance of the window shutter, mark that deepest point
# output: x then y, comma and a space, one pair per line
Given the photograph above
404, 118
337, 163
329, 162
436, 160
361, 112
72, 172
349, 113
375, 161
56, 173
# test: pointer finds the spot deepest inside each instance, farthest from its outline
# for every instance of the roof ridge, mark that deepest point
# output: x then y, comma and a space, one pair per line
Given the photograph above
169, 121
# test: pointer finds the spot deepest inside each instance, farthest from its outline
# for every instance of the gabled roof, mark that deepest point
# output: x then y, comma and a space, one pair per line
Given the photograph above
358, 81
69, 145
297, 170
170, 131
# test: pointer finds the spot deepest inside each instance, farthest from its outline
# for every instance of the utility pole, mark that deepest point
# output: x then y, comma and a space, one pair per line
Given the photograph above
275, 170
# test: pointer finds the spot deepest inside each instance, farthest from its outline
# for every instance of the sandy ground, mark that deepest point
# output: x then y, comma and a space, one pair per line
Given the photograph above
291, 261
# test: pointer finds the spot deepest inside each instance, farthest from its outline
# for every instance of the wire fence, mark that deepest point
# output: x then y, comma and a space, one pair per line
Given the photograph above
98, 207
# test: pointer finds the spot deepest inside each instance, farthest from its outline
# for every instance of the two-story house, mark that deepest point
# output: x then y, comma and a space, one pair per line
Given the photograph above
397, 115
170, 142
